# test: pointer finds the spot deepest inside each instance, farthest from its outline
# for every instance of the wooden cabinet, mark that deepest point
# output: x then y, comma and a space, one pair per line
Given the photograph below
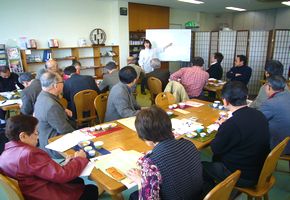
92, 58
142, 17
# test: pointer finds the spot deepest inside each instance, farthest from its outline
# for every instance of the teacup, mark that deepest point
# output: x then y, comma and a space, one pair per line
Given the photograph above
84, 143
98, 144
217, 102
215, 105
169, 113
92, 153
88, 148
221, 107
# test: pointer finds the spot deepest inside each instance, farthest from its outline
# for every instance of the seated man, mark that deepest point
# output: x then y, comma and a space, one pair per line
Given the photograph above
30, 92
75, 84
131, 61
277, 110
162, 75
52, 117
242, 141
8, 82
121, 103
111, 78
51, 65
272, 67
192, 78
240, 72
215, 70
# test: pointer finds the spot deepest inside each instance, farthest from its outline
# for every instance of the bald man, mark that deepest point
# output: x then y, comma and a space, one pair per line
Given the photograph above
52, 65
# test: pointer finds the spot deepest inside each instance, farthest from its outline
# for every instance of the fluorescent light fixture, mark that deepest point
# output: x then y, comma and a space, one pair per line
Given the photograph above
235, 8
192, 1
287, 3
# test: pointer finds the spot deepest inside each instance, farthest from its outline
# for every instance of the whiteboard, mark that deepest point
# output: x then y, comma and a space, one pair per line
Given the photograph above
180, 39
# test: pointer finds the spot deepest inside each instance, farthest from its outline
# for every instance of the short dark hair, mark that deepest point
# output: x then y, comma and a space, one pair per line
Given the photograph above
218, 56
274, 67
26, 76
197, 61
4, 68
20, 123
111, 65
235, 92
127, 74
69, 70
243, 58
276, 82
153, 124
147, 41
76, 62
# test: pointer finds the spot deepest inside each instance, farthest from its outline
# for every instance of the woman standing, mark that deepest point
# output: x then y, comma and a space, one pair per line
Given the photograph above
172, 170
39, 177
145, 57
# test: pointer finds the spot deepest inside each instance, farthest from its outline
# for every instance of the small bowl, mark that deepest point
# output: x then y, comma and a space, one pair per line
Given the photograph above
98, 127
84, 143
106, 127
174, 105
170, 107
92, 153
88, 148
217, 102
169, 113
92, 129
221, 107
202, 134
200, 129
112, 125
98, 144
215, 105
181, 105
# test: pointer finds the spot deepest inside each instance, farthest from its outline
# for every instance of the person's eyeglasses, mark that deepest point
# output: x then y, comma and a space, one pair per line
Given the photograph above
59, 82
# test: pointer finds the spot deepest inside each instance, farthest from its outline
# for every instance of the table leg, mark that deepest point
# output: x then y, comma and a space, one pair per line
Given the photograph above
117, 196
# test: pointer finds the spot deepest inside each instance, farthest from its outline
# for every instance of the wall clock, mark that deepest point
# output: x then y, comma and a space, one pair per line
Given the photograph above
98, 36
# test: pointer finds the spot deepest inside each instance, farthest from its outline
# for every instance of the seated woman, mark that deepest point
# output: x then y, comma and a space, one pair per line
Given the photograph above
40, 177
172, 170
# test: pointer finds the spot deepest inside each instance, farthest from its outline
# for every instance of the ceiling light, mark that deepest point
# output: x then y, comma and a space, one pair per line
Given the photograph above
287, 3
235, 8
192, 1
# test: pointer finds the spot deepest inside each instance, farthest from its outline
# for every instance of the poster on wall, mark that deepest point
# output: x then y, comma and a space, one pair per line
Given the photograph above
14, 60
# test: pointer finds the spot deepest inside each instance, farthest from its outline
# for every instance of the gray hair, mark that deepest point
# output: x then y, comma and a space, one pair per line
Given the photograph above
39, 73
48, 79
155, 63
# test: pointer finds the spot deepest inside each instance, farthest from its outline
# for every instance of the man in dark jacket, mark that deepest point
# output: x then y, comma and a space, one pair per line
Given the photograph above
242, 141
8, 82
75, 84
240, 72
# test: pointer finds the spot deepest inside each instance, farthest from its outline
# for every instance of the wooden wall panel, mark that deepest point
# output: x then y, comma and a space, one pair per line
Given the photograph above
142, 17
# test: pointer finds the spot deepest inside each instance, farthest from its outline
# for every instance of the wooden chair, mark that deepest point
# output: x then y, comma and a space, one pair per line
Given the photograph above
223, 189
10, 187
63, 102
101, 105
164, 99
287, 158
84, 102
154, 86
266, 179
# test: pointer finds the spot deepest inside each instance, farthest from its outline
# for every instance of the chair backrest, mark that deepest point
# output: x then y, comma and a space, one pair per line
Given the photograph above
84, 102
101, 105
164, 99
270, 164
154, 86
10, 188
223, 189
63, 102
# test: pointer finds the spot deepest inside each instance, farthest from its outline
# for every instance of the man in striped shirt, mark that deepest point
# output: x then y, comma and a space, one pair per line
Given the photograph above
192, 78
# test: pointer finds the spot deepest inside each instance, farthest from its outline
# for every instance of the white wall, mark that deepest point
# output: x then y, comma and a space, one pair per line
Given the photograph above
65, 20
282, 18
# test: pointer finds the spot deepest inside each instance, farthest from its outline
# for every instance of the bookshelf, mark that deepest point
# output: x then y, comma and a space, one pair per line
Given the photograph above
136, 40
93, 58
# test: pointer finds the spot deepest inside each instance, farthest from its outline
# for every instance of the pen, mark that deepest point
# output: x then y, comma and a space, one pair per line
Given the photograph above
3, 101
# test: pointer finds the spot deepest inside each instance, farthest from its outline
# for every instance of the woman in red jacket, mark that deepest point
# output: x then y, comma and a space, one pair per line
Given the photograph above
39, 176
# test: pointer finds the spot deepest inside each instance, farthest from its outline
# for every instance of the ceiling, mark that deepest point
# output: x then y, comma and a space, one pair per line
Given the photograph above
216, 6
